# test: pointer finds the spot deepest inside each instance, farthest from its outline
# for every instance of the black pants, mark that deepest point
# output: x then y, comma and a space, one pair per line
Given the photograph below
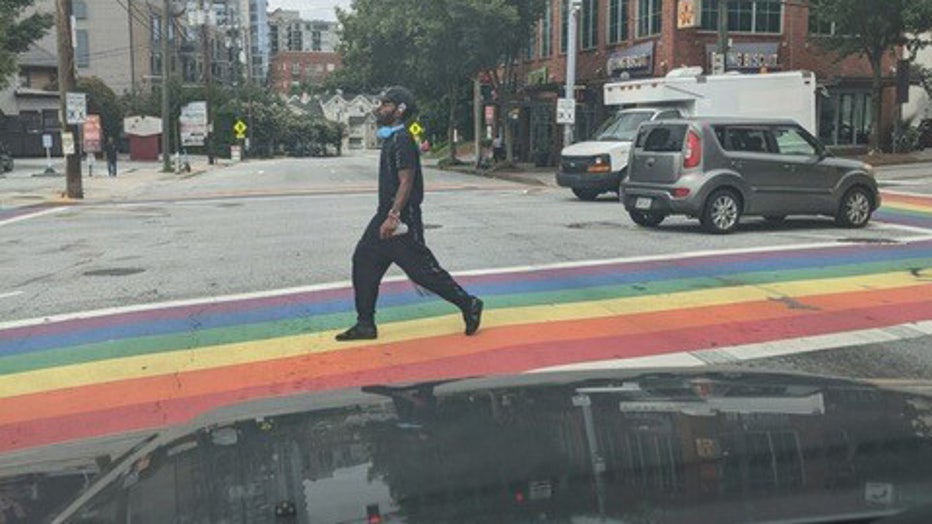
373, 256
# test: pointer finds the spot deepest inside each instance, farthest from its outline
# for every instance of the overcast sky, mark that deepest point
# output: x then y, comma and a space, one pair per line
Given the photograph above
311, 9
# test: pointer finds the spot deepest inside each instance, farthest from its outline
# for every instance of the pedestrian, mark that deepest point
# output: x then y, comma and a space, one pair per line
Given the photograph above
111, 151
396, 232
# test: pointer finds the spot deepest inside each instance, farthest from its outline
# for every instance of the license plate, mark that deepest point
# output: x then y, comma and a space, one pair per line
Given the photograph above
643, 203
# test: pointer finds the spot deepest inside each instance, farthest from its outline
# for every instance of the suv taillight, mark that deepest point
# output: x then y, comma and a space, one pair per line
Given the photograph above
693, 150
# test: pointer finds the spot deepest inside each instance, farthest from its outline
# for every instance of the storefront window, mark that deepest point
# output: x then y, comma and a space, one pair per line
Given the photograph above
845, 118
757, 16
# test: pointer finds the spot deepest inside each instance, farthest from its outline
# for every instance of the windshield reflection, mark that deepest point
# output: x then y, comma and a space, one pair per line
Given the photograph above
657, 448
623, 127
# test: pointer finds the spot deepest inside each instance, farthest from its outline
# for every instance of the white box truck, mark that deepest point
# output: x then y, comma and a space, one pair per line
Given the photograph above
598, 165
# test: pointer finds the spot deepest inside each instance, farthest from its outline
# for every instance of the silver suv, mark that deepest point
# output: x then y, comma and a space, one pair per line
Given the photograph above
719, 169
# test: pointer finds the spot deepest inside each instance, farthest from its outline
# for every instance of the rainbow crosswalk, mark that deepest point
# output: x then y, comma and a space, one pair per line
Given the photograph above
108, 372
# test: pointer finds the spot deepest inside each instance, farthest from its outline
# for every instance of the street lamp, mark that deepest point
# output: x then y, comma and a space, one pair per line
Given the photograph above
572, 14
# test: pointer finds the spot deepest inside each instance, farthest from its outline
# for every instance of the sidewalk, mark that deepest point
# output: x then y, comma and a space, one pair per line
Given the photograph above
27, 184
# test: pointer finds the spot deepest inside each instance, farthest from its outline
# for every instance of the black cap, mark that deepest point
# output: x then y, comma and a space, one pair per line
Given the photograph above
400, 95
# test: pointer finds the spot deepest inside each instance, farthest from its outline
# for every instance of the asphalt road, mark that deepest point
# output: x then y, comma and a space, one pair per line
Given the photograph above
294, 222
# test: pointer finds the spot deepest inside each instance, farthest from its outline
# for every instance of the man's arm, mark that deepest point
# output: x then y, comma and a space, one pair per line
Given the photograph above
405, 183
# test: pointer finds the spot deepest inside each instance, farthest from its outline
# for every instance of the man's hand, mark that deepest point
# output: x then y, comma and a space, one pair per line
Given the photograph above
388, 228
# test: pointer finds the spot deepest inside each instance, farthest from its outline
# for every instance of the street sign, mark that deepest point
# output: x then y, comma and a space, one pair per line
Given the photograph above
75, 108
566, 111
687, 14
47, 141
193, 124
67, 143
92, 139
240, 129
718, 63
236, 154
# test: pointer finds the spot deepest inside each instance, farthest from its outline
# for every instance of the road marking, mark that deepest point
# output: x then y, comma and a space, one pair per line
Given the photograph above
745, 352
84, 315
10, 294
37, 214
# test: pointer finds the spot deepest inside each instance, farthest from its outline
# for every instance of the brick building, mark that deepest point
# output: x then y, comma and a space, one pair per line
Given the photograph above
291, 68
640, 38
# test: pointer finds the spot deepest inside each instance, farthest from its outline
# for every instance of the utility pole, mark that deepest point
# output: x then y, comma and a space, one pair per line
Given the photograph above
166, 108
572, 7
477, 118
723, 30
66, 83
208, 78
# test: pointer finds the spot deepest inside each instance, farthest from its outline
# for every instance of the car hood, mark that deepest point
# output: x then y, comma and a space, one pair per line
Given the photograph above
593, 148
610, 446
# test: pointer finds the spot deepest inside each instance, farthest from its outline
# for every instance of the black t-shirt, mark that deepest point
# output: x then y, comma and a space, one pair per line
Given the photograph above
400, 152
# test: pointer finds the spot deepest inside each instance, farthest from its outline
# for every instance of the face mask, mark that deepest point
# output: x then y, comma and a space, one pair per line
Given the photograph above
386, 132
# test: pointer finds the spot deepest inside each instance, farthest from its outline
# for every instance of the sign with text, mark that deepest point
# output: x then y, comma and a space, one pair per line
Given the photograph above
75, 108
193, 124
67, 143
749, 57
47, 141
92, 134
489, 115
635, 61
566, 111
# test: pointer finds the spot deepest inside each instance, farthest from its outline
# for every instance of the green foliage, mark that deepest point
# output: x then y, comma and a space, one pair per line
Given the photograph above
17, 33
435, 47
874, 29
101, 100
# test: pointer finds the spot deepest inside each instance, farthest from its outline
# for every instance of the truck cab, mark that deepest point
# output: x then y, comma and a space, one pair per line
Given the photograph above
598, 165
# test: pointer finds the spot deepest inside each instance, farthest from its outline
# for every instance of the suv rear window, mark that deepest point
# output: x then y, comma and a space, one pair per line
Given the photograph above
662, 139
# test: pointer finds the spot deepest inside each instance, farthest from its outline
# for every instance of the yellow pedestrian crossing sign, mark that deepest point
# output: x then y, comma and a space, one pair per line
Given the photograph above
240, 128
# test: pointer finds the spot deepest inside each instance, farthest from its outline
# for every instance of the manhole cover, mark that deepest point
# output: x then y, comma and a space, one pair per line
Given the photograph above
868, 241
114, 272
595, 225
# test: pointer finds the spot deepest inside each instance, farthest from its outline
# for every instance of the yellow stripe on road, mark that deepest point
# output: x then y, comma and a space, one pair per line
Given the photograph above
169, 362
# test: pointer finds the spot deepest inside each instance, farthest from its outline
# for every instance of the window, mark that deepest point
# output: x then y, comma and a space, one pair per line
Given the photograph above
50, 119
649, 17
744, 139
617, 21
546, 32
791, 142
589, 24
564, 25
822, 26
79, 9
155, 28
665, 139
669, 115
82, 54
757, 16
531, 43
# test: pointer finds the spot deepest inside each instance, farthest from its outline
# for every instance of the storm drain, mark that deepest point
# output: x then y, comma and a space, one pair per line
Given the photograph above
114, 272
432, 226
595, 225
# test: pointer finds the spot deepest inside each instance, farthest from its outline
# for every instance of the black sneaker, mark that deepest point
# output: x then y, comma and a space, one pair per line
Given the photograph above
358, 332
472, 315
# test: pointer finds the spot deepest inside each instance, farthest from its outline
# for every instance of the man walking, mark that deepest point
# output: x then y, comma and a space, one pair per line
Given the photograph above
111, 152
396, 232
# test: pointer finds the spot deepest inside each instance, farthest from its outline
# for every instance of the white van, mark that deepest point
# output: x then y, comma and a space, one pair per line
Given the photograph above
598, 165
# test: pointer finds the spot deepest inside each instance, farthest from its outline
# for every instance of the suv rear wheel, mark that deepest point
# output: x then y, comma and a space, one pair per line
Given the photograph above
855, 208
722, 212
645, 219
586, 194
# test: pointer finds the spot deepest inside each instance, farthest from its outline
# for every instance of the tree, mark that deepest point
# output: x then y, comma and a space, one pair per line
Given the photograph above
874, 29
436, 52
101, 100
17, 33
